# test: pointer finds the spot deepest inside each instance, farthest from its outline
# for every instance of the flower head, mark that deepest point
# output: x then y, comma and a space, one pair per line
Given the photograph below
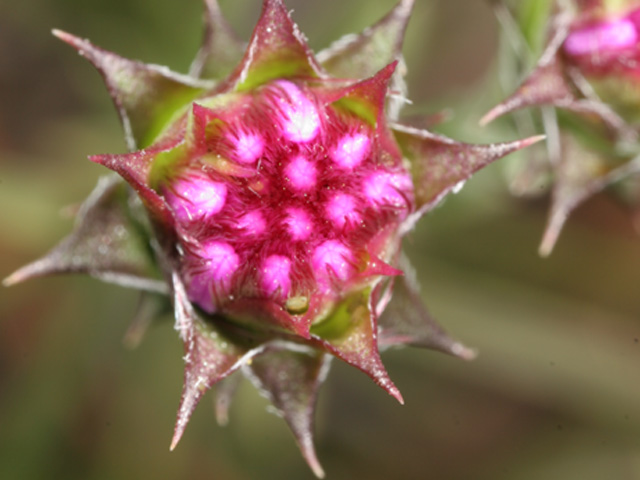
275, 188
588, 71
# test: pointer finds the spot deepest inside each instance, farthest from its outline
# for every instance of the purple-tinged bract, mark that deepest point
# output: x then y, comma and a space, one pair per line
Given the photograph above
270, 191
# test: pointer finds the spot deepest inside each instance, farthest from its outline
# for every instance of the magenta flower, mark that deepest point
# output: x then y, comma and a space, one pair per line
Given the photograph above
275, 188
589, 70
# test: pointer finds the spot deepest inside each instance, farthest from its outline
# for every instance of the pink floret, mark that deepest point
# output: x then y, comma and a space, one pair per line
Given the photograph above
299, 118
213, 280
351, 150
301, 173
248, 147
387, 189
252, 223
298, 223
275, 276
341, 210
196, 197
332, 258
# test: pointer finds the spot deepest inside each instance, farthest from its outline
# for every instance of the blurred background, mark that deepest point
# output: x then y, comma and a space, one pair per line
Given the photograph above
553, 394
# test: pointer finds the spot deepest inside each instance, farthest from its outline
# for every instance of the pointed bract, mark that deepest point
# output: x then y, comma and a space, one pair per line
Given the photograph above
135, 168
549, 84
363, 55
221, 49
546, 85
351, 334
276, 50
209, 356
377, 267
580, 174
290, 378
439, 164
147, 97
406, 321
366, 97
105, 244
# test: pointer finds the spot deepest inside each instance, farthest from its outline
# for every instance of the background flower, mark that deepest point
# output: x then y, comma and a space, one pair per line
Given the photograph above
578, 60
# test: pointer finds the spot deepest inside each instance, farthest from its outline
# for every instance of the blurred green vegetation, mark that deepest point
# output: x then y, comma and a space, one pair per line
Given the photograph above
553, 394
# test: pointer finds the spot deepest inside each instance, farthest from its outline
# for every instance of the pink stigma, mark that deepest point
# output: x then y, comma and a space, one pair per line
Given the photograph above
614, 35
341, 210
249, 147
298, 223
252, 223
332, 258
301, 173
383, 188
300, 121
220, 263
275, 277
196, 197
351, 150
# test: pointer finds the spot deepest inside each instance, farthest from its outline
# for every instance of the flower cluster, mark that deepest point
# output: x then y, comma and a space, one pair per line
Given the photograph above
266, 194
284, 196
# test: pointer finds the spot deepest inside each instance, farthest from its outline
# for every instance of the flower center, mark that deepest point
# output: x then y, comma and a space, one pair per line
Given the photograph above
287, 208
